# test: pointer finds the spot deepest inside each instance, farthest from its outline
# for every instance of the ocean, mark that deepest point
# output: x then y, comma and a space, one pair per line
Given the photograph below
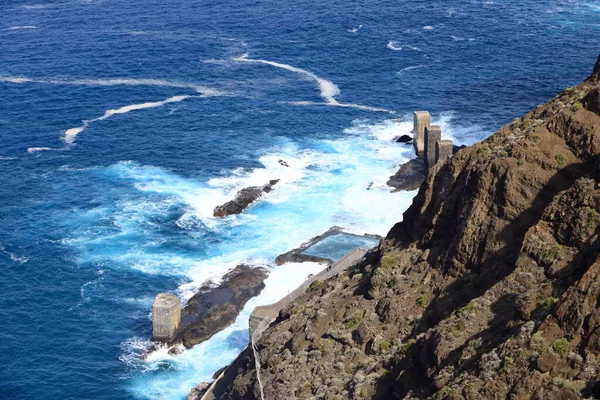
124, 123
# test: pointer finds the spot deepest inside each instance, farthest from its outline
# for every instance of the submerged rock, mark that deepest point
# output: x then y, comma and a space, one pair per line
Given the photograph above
211, 310
243, 199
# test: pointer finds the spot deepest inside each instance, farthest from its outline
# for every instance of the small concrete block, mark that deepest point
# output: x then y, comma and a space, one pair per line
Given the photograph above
443, 150
433, 133
166, 317
421, 121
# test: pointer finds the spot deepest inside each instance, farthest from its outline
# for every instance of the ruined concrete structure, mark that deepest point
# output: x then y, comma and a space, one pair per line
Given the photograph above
433, 134
443, 150
421, 121
166, 317
427, 140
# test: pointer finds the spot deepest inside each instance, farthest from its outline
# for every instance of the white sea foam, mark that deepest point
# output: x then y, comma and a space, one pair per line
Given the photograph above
354, 30
461, 39
393, 45
14, 257
403, 70
71, 134
37, 6
36, 149
199, 363
328, 89
428, 28
204, 90
14, 28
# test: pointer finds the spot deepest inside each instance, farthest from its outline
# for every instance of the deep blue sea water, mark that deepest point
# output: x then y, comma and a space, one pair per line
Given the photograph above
124, 123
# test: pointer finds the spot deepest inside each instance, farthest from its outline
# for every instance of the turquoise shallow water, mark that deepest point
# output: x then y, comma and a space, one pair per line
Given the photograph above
124, 123
338, 245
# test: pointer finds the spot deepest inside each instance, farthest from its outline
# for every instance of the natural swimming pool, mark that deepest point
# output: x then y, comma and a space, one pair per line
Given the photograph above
338, 244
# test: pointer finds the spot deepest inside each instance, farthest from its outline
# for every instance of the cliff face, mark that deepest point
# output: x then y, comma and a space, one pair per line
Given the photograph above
489, 288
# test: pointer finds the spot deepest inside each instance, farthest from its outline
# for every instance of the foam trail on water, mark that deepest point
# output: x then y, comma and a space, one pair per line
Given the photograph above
403, 70
328, 89
36, 149
71, 134
206, 91
14, 28
37, 6
393, 45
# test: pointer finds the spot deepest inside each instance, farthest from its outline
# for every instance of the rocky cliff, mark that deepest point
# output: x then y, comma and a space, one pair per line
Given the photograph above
488, 288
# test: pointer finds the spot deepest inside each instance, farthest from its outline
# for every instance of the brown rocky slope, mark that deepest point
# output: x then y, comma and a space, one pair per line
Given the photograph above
488, 289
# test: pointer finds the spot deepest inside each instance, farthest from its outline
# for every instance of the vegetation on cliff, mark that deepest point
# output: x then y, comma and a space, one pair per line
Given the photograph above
488, 288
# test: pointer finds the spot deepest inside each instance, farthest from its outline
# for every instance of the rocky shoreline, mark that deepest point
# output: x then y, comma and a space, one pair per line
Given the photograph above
489, 288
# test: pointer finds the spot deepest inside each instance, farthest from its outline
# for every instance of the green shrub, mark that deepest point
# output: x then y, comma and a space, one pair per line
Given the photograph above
315, 285
576, 106
506, 363
404, 347
422, 301
520, 162
389, 261
561, 346
553, 252
536, 138
560, 159
547, 303
384, 346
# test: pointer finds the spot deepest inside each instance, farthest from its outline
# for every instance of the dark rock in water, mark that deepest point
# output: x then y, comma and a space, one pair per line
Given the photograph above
283, 163
243, 199
404, 139
210, 311
197, 392
410, 176
175, 351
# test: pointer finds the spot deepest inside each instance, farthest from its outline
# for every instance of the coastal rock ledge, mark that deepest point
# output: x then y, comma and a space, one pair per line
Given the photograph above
489, 288
243, 199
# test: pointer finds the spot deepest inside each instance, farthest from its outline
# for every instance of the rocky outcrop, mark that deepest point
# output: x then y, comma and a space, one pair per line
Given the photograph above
243, 199
409, 176
488, 289
213, 309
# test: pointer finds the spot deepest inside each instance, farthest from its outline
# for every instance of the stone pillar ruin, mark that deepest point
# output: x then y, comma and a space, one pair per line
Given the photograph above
443, 150
166, 317
421, 121
433, 133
